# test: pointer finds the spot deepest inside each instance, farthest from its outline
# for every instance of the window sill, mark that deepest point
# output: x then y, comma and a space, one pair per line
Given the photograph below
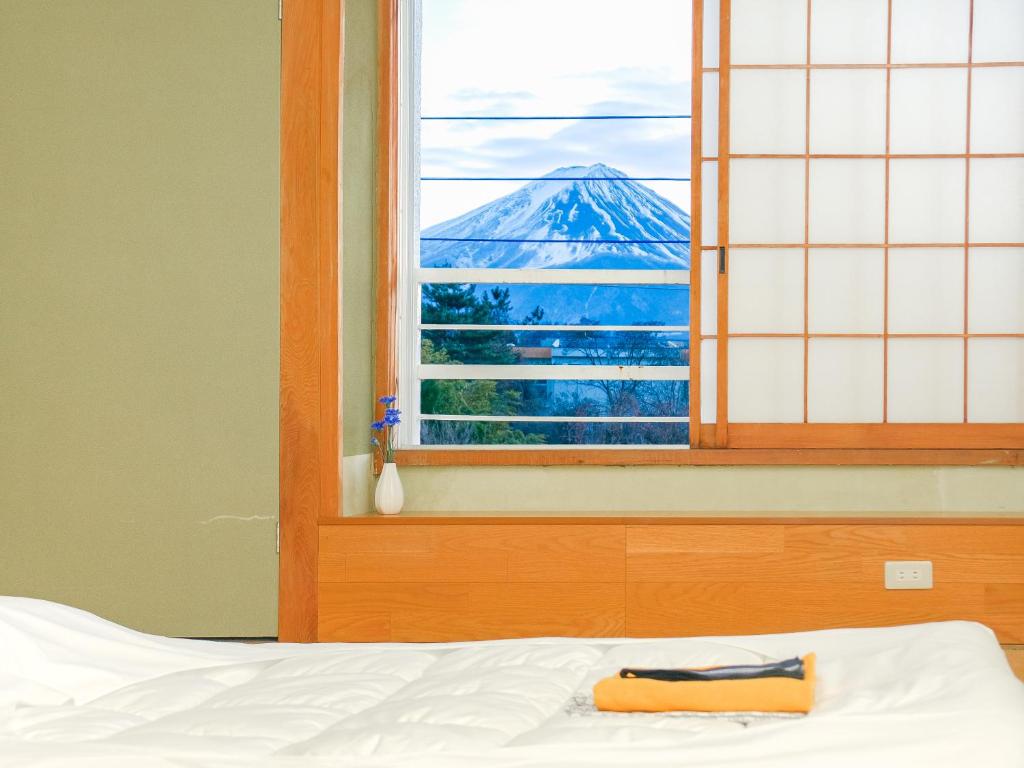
501, 457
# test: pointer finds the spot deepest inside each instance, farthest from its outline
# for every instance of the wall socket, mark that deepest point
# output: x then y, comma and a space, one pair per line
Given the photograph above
908, 574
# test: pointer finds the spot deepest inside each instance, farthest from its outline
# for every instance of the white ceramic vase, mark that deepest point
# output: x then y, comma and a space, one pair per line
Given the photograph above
389, 497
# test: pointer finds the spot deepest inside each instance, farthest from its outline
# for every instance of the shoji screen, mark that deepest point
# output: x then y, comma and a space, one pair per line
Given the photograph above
706, 141
875, 219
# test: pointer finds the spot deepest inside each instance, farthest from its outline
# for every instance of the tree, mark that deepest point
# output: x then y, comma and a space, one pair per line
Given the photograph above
453, 304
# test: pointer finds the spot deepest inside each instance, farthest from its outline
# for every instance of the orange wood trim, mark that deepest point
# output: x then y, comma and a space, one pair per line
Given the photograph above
790, 246
696, 223
386, 296
722, 362
870, 155
552, 519
929, 65
956, 437
775, 456
310, 474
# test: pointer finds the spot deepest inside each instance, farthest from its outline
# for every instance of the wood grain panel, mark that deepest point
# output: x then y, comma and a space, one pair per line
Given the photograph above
715, 608
467, 553
1004, 605
439, 612
903, 539
656, 539
776, 567
461, 578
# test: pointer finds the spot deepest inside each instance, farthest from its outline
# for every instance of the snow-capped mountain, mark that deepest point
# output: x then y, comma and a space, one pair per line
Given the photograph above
570, 204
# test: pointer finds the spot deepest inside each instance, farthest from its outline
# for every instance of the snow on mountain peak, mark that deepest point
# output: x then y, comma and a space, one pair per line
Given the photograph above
568, 219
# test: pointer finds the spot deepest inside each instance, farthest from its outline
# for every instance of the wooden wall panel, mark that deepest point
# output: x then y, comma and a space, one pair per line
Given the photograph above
470, 582
438, 611
665, 609
821, 576
459, 579
473, 553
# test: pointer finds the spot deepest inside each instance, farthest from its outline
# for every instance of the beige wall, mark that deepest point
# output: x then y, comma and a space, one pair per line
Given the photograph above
138, 309
662, 490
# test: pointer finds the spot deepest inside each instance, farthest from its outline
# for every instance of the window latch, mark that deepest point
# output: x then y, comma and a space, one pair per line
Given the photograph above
721, 259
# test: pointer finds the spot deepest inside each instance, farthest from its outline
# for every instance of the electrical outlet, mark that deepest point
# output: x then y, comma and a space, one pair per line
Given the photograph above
908, 574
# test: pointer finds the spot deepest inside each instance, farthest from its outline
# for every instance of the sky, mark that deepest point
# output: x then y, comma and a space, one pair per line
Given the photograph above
551, 57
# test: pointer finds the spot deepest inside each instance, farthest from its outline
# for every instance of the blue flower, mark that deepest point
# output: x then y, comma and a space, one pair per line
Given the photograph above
374, 441
387, 399
392, 417
377, 426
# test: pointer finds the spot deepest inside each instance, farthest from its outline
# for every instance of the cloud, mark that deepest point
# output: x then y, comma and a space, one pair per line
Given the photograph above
469, 94
638, 147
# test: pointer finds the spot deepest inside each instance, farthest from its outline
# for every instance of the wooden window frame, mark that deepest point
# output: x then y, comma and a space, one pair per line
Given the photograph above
719, 443
310, 441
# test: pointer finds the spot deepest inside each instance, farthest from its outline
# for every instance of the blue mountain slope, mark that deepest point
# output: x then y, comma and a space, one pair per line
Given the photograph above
563, 208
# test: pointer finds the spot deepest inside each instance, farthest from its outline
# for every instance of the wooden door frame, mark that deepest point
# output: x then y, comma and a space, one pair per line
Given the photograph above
310, 438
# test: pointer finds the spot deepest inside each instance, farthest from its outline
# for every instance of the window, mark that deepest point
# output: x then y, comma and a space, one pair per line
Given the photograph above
544, 266
567, 201
875, 224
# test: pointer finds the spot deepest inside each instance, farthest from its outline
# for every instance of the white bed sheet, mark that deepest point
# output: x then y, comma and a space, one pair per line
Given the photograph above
76, 690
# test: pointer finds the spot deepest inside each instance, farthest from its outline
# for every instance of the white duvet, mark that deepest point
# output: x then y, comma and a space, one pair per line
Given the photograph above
79, 691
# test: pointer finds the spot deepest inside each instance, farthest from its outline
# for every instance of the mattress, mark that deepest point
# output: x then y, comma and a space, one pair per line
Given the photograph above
76, 690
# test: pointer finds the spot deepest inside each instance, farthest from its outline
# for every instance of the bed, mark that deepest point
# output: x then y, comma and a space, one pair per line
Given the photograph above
76, 690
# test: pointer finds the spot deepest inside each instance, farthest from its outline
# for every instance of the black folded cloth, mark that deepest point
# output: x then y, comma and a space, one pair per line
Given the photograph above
793, 668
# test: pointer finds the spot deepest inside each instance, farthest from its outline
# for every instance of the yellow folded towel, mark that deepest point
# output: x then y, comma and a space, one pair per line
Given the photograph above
764, 694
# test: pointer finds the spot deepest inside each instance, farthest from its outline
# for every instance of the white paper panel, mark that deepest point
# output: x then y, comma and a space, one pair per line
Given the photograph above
926, 290
709, 292
708, 381
930, 31
766, 290
709, 116
846, 290
997, 30
845, 380
929, 111
926, 380
767, 110
995, 380
997, 200
766, 201
769, 31
926, 201
766, 380
849, 31
995, 285
847, 111
997, 108
847, 201
711, 33
709, 203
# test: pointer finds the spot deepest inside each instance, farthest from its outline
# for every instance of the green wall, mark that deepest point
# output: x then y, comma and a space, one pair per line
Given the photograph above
357, 221
139, 339
139, 308
577, 490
